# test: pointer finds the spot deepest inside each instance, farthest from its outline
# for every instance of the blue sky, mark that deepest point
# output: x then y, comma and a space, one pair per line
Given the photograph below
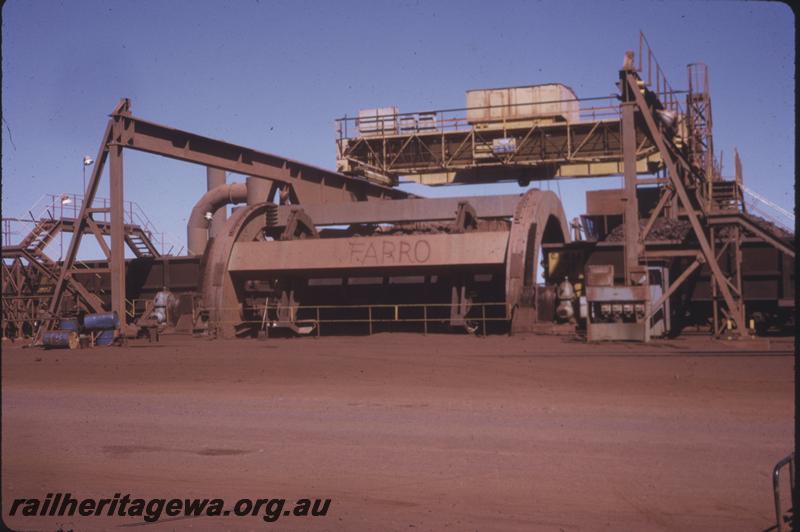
275, 75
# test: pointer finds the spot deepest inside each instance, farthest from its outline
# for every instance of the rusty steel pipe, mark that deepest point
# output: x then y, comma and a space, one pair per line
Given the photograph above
214, 178
210, 202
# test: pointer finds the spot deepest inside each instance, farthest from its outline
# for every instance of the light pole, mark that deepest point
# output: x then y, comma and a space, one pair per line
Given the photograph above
87, 161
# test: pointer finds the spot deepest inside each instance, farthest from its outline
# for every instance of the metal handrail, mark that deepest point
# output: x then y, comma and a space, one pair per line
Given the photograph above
453, 119
131, 304
789, 462
652, 72
769, 210
475, 308
68, 205
381, 305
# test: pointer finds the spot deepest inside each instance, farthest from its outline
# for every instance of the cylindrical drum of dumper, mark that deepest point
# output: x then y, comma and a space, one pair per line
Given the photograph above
102, 320
60, 339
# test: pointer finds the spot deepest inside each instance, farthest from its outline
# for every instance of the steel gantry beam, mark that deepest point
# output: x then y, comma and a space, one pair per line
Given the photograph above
310, 184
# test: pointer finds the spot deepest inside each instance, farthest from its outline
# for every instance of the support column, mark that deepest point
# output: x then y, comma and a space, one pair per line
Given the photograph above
117, 233
737, 259
713, 280
631, 203
214, 178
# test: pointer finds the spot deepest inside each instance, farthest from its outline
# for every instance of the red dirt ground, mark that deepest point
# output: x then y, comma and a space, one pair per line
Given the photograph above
407, 432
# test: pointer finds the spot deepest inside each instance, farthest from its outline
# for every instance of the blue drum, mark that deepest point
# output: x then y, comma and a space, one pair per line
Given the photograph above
101, 321
105, 338
60, 339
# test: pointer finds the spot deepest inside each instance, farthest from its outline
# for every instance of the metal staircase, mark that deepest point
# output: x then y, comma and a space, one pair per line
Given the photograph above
40, 236
140, 242
30, 275
724, 196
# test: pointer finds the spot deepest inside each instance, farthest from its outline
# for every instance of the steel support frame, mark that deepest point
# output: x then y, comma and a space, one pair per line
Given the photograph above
633, 244
393, 155
674, 162
699, 121
736, 220
673, 287
313, 185
117, 262
22, 284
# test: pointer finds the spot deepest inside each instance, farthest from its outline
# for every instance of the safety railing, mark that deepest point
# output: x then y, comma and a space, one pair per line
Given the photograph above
780, 518
135, 307
68, 205
425, 314
449, 120
721, 195
455, 119
757, 204
15, 229
652, 74
8, 230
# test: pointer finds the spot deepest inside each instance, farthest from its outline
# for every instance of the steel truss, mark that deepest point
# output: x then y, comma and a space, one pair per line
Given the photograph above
542, 151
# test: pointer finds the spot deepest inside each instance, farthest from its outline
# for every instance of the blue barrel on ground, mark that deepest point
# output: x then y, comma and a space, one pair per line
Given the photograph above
60, 339
100, 321
104, 338
70, 324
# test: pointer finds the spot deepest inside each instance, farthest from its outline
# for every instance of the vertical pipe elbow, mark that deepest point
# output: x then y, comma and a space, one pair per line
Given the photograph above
203, 211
